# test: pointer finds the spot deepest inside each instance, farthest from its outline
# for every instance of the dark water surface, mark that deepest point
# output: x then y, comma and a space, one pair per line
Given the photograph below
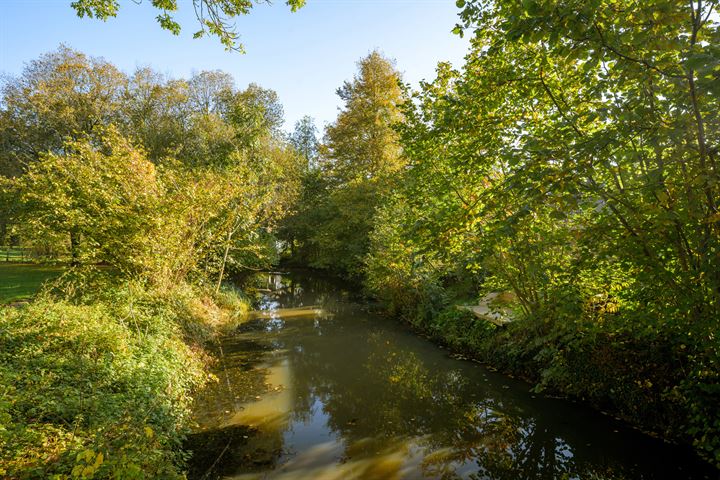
316, 387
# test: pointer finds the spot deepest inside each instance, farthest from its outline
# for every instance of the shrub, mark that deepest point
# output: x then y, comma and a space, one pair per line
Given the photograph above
98, 390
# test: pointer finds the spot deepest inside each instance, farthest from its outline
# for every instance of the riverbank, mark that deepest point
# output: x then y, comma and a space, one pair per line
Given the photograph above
663, 383
343, 392
97, 381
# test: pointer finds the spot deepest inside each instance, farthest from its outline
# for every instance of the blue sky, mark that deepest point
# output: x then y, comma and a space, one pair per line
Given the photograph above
304, 56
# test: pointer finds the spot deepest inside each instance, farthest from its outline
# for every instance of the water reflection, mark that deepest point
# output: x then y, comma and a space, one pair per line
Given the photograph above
314, 387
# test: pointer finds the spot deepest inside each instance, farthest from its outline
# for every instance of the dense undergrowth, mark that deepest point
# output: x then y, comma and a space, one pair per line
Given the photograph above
98, 385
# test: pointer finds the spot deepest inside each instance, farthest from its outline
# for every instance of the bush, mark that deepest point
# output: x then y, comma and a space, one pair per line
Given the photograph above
95, 389
461, 329
232, 301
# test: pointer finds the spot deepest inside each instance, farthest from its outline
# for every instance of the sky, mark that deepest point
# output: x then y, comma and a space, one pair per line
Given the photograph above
304, 56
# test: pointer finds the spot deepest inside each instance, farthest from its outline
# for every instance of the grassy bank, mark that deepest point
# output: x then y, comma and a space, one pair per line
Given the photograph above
20, 281
665, 382
98, 382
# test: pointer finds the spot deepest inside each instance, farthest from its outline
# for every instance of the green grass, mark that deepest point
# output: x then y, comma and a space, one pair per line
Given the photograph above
22, 281
14, 254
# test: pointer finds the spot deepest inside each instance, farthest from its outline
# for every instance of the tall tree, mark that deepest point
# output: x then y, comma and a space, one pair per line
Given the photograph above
574, 162
362, 143
256, 112
209, 91
299, 226
157, 112
360, 158
304, 139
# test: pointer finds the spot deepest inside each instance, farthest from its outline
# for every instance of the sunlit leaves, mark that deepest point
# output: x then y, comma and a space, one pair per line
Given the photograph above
572, 159
358, 162
107, 200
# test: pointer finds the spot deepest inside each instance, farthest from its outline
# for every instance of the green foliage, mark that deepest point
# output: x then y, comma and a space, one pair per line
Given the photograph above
144, 184
362, 143
60, 96
162, 179
357, 162
102, 197
304, 139
214, 16
154, 108
699, 392
398, 272
571, 162
96, 387
233, 303
460, 329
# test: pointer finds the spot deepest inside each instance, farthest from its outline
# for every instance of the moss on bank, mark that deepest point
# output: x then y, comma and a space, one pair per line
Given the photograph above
97, 382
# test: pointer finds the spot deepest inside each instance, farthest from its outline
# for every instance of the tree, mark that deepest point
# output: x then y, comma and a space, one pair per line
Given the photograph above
304, 139
256, 112
97, 201
298, 225
210, 91
359, 158
572, 161
63, 94
90, 141
215, 16
629, 112
157, 113
361, 143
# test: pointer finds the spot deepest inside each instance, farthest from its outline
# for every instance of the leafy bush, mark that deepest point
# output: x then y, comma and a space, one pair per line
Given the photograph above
232, 301
97, 390
461, 329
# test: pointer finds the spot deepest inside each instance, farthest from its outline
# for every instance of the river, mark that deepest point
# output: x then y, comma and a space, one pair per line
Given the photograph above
317, 386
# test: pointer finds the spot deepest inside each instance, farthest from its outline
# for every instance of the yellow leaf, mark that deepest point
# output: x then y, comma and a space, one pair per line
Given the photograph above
98, 460
149, 432
85, 455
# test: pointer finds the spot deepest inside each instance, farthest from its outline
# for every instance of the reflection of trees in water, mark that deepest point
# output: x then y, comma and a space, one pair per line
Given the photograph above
277, 291
372, 387
383, 390
491, 432
237, 380
222, 447
379, 392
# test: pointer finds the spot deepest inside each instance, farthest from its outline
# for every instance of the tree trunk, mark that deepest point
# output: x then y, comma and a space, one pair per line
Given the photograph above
75, 249
224, 260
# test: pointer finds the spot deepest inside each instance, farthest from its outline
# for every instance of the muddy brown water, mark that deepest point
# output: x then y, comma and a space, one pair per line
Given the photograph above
316, 386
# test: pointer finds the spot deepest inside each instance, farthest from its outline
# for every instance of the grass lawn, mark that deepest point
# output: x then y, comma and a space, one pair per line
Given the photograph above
20, 281
14, 254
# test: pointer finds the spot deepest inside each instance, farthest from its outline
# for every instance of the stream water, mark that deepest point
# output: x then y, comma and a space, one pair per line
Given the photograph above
316, 386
